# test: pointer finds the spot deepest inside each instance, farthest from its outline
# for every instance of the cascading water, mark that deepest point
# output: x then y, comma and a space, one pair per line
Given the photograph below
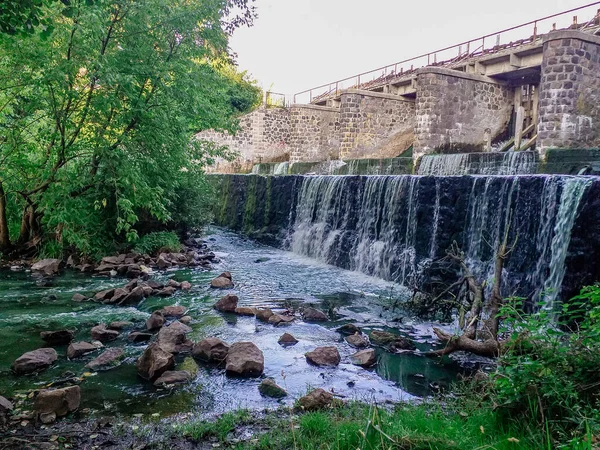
507, 163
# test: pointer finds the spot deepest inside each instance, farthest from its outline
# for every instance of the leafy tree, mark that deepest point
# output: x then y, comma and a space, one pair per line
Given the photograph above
96, 123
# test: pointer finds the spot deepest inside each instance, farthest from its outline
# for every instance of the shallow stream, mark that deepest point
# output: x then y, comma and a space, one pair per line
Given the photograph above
263, 276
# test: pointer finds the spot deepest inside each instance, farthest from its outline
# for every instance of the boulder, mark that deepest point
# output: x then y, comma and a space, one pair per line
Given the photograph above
107, 360
245, 311
113, 260
314, 315
287, 339
162, 263
137, 336
348, 329
119, 325
59, 337
57, 402
392, 341
155, 321
364, 358
186, 285
118, 295
269, 388
223, 281
174, 284
357, 340
154, 362
227, 303
77, 349
315, 400
211, 349
171, 337
324, 356
48, 267
154, 284
245, 359
166, 292
79, 298
103, 334
5, 409
172, 377
34, 361
186, 319
134, 297
264, 314
104, 295
279, 319
174, 311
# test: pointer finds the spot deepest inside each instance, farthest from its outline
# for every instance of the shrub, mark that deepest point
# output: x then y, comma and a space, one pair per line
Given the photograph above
159, 241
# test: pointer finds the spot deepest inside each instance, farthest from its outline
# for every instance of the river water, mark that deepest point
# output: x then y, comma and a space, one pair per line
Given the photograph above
263, 276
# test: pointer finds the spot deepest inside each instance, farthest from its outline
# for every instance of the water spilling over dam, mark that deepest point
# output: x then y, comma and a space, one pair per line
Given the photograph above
392, 226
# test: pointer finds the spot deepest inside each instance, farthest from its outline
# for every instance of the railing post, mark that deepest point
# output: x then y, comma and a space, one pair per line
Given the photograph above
358, 83
535, 30
310, 101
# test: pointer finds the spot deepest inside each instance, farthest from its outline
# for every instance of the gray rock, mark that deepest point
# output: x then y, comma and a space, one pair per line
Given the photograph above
77, 349
269, 388
103, 334
58, 401
357, 340
245, 311
314, 315
245, 359
79, 298
348, 329
186, 285
48, 267
264, 314
223, 281
211, 349
155, 321
324, 356
34, 361
315, 400
154, 362
58, 337
104, 295
287, 339
110, 359
173, 336
227, 303
119, 325
280, 319
175, 311
134, 297
166, 292
137, 336
173, 377
364, 358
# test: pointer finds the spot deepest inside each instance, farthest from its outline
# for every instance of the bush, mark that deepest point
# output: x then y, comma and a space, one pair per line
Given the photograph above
549, 371
152, 243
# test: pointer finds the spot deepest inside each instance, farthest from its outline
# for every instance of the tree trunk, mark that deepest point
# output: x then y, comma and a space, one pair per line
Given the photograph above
4, 233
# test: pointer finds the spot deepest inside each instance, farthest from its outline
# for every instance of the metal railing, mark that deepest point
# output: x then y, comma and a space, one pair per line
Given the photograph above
448, 56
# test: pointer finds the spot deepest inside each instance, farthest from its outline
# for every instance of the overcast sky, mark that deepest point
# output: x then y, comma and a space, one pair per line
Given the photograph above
298, 44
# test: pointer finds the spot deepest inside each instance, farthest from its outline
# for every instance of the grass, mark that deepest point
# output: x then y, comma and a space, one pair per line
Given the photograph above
220, 429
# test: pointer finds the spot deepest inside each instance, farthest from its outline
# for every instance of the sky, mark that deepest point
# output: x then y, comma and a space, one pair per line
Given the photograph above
298, 44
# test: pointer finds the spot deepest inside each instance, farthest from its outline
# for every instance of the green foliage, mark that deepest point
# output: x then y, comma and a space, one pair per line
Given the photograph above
152, 243
97, 122
220, 428
24, 16
548, 373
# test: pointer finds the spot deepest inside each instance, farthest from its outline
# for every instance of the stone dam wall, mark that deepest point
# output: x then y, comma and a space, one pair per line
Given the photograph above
394, 226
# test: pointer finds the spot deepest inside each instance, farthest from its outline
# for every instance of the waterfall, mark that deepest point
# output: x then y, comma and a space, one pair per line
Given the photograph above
281, 168
507, 163
388, 226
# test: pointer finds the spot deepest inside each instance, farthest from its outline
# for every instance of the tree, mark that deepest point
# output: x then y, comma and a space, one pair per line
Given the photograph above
96, 123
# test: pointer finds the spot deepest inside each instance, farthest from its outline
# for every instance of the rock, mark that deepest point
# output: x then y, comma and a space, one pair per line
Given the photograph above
154, 284
77, 349
59, 337
58, 401
5, 409
118, 295
105, 268
364, 358
269, 388
391, 340
186, 319
48, 267
34, 361
357, 340
79, 298
174, 284
172, 377
170, 337
113, 260
315, 400
137, 336
48, 418
154, 362
314, 315
264, 314
190, 366
245, 311
119, 325
186, 285
162, 263
324, 356
107, 360
134, 297
174, 311
166, 292
223, 281
227, 303
103, 334
348, 329
287, 339
278, 319
155, 321
245, 359
211, 349
104, 295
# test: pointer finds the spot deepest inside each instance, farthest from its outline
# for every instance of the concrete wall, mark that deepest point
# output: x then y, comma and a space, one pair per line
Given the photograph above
263, 136
569, 108
314, 133
375, 125
453, 110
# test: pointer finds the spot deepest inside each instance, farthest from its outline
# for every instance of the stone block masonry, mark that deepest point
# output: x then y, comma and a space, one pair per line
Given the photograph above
454, 109
569, 109
314, 133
